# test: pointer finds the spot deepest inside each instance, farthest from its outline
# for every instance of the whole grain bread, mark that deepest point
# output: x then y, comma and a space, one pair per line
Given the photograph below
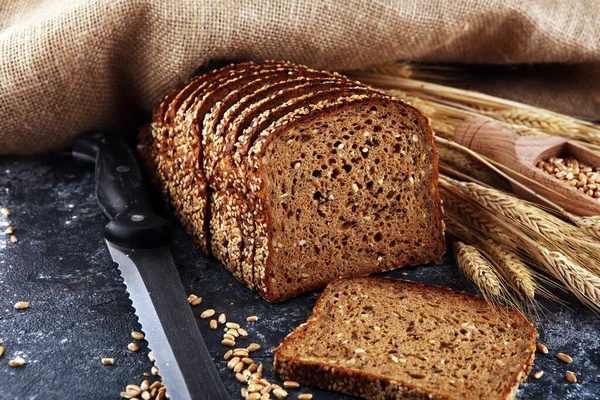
381, 338
306, 176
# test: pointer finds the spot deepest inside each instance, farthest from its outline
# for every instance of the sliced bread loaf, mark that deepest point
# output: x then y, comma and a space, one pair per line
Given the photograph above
380, 338
305, 176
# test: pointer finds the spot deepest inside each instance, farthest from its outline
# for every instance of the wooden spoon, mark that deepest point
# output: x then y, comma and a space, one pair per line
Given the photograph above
522, 153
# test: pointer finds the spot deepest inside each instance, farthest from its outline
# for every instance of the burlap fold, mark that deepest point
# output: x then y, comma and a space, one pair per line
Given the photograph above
71, 65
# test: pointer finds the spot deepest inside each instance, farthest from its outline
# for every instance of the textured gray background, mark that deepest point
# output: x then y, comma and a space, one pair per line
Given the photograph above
80, 311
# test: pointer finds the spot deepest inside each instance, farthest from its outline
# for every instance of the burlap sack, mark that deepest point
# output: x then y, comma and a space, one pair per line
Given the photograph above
71, 65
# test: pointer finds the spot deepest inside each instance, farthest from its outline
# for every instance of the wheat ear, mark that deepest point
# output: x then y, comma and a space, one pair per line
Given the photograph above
464, 212
590, 225
515, 272
584, 284
541, 121
512, 208
475, 267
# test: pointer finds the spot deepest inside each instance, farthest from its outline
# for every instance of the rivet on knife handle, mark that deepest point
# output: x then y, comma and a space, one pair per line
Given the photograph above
121, 193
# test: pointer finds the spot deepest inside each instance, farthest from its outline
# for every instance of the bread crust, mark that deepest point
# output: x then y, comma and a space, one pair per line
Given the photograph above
188, 124
368, 385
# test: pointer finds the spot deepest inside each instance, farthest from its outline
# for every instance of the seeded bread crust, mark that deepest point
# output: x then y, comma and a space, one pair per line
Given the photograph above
270, 95
238, 208
186, 186
314, 371
169, 148
158, 114
168, 108
190, 121
176, 109
189, 106
184, 98
221, 239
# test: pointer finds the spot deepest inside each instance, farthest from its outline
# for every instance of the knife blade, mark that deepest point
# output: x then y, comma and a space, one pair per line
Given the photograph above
138, 241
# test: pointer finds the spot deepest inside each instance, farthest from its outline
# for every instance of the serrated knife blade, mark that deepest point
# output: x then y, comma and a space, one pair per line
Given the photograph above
171, 331
138, 241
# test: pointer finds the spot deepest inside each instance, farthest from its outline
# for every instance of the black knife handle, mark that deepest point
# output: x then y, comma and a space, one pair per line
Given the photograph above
121, 193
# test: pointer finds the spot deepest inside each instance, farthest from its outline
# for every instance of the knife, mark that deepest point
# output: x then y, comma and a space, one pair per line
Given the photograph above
138, 241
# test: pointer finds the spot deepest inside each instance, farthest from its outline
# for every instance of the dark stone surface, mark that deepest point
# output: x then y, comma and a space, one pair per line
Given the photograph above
80, 311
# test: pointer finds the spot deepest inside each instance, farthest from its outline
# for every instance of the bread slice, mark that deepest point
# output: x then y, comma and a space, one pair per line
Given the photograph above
345, 187
381, 338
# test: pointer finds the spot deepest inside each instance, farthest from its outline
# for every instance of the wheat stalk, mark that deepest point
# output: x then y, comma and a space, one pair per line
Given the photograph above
478, 102
589, 224
461, 163
458, 230
540, 225
523, 130
493, 166
475, 267
572, 274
